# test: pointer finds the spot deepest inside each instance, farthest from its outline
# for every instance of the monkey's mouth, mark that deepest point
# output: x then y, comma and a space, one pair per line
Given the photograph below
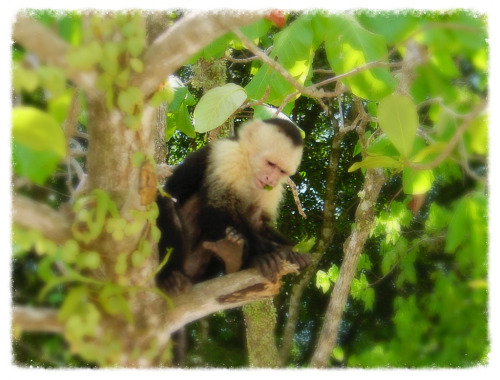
261, 184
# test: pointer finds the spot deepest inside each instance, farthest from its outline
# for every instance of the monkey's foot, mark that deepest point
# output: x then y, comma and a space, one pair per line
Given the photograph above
229, 249
175, 283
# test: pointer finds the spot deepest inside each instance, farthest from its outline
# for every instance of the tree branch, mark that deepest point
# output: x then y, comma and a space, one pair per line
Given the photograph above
353, 246
33, 319
185, 38
325, 238
454, 140
226, 292
30, 214
50, 49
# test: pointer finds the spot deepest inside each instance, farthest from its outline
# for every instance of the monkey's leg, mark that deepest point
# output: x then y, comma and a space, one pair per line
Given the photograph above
229, 249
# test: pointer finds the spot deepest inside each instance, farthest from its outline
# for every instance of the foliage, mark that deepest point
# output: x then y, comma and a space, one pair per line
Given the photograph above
406, 89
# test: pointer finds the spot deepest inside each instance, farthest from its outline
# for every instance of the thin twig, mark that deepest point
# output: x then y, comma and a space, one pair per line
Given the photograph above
454, 140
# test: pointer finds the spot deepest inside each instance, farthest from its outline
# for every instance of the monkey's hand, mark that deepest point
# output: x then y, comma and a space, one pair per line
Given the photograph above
229, 249
270, 264
175, 283
300, 259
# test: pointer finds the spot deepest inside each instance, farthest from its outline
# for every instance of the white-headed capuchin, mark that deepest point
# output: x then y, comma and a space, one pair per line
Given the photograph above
225, 198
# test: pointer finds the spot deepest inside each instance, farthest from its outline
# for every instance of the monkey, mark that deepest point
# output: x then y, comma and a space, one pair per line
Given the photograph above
222, 204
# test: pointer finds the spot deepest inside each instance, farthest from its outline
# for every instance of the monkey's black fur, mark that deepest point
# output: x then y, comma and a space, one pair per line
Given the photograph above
188, 219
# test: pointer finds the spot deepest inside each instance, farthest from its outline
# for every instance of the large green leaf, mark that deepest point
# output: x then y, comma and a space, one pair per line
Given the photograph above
394, 26
35, 165
292, 47
279, 87
217, 105
38, 143
417, 182
376, 162
348, 46
398, 118
293, 50
37, 130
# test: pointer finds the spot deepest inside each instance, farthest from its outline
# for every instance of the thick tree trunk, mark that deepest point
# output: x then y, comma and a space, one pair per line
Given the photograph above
260, 321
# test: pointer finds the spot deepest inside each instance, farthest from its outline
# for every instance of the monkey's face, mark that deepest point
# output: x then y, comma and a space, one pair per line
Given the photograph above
267, 170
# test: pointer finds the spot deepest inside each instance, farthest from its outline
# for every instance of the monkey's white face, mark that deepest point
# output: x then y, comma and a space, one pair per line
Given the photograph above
267, 170
271, 154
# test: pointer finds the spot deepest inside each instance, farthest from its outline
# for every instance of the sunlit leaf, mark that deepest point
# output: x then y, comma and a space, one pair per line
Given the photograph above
394, 26
217, 105
398, 118
457, 226
129, 99
348, 46
58, 107
322, 281
376, 162
38, 143
417, 181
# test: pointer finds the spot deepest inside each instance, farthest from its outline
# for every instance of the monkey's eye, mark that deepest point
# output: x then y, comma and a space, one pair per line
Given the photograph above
271, 164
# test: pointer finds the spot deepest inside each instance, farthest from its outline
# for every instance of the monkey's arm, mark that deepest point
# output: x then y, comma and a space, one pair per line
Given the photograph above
187, 178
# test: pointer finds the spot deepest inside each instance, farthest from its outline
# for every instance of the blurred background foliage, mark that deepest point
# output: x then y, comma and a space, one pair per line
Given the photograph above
420, 297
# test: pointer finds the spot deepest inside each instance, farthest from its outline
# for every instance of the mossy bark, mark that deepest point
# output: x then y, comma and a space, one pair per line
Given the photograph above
260, 321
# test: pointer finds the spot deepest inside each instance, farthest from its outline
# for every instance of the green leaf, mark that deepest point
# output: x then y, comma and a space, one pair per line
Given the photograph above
70, 251
24, 79
394, 26
429, 153
376, 162
58, 107
53, 80
348, 46
35, 165
292, 47
73, 303
136, 65
137, 159
135, 45
381, 146
37, 130
121, 263
257, 29
457, 227
398, 118
265, 77
305, 246
476, 136
70, 27
217, 105
109, 61
180, 121
178, 98
90, 260
86, 56
417, 181
129, 99
333, 273
216, 49
338, 354
38, 143
322, 281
